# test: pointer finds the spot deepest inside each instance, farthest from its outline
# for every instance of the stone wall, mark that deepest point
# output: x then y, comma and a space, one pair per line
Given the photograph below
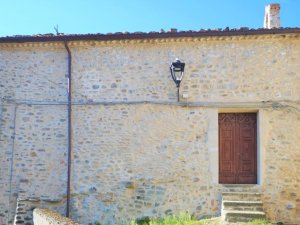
25, 207
136, 151
33, 134
6, 156
216, 71
122, 175
282, 181
47, 217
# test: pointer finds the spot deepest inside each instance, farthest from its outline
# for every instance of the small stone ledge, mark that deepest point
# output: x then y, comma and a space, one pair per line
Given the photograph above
48, 217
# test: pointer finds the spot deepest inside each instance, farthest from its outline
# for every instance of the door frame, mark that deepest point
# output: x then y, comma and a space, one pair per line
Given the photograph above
213, 140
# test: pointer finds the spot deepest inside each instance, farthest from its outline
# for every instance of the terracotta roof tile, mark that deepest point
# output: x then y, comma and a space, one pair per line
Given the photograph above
172, 33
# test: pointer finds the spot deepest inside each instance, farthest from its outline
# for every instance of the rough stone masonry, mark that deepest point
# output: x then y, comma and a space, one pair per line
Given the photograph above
136, 151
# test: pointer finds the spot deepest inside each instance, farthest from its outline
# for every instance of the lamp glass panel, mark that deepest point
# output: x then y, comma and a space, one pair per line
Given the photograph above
177, 74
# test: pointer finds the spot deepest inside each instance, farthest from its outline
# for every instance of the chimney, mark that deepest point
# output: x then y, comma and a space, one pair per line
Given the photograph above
272, 16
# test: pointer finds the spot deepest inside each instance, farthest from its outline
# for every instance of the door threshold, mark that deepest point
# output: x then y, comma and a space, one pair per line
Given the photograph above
239, 185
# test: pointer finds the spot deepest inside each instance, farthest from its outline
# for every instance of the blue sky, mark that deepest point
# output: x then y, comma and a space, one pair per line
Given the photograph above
104, 16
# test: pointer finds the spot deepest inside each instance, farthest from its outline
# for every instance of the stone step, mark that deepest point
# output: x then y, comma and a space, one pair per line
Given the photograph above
243, 206
241, 188
242, 216
241, 196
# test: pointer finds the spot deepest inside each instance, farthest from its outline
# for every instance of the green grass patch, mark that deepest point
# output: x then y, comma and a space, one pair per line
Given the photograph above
182, 219
185, 219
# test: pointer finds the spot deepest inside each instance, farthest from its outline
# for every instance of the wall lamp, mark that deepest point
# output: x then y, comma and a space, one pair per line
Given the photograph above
177, 71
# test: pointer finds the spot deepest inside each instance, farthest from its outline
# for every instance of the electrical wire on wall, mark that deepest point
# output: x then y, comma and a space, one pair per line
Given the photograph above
258, 104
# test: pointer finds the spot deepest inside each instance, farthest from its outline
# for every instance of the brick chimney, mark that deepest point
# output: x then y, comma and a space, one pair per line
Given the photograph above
272, 16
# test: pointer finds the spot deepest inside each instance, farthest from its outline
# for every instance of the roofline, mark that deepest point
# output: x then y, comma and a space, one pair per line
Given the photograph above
150, 35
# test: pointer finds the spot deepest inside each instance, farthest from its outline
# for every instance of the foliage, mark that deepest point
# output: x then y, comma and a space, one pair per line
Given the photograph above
182, 219
95, 223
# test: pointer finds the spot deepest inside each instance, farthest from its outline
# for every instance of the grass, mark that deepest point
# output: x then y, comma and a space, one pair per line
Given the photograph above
182, 219
186, 219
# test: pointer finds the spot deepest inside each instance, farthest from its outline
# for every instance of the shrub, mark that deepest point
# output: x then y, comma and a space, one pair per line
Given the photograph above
95, 223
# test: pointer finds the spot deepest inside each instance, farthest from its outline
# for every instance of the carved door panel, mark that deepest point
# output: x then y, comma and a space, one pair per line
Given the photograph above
237, 148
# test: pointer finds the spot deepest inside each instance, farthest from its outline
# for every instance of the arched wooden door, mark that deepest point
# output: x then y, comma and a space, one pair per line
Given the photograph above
237, 148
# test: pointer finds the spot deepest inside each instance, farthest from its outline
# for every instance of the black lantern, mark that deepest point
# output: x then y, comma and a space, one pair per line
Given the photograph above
177, 71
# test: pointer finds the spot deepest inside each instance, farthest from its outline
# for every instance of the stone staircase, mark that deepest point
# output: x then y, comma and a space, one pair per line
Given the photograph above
23, 215
241, 206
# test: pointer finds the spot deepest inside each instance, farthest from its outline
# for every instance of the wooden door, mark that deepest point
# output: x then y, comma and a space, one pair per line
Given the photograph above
237, 148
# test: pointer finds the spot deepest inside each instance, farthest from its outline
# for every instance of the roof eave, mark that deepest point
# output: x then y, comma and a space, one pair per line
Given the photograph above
151, 35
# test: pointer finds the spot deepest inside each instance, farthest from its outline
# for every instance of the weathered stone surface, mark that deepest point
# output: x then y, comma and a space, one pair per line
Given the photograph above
125, 161
235, 71
24, 214
241, 206
47, 217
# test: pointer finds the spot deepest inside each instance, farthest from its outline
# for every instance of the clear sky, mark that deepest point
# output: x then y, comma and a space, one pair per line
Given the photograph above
104, 16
